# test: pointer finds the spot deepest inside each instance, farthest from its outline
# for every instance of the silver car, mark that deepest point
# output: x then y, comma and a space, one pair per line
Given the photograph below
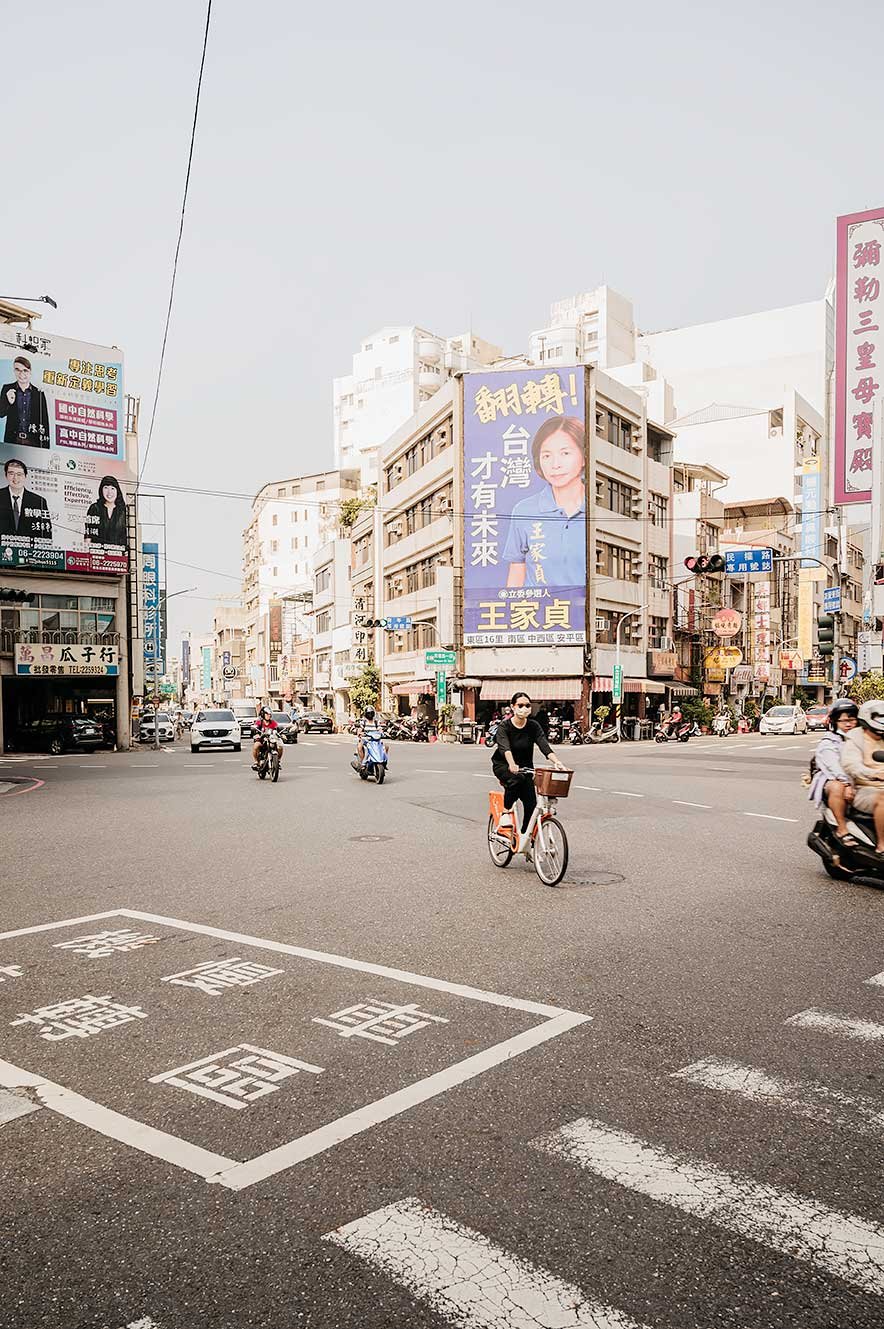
215, 729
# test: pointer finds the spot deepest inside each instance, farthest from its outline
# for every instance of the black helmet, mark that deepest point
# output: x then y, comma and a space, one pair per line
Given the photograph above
844, 706
368, 713
871, 717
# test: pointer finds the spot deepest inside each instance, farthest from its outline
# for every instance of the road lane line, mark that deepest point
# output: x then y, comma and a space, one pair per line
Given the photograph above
145, 765
814, 1101
767, 816
465, 1278
311, 768
431, 770
591, 788
685, 804
624, 793
864, 1030
839, 1243
876, 981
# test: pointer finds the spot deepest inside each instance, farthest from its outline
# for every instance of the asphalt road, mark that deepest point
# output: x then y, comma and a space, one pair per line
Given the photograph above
333, 1068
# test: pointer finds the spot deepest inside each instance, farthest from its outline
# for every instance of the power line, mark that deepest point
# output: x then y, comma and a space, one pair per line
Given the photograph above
196, 107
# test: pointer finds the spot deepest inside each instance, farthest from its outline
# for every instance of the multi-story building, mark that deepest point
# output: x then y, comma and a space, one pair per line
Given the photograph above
291, 519
395, 371
333, 666
229, 655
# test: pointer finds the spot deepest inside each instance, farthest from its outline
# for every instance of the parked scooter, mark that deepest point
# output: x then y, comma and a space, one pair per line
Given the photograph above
860, 865
722, 725
600, 733
374, 765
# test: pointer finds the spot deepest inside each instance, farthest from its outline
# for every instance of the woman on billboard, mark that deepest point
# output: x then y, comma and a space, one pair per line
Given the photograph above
546, 545
106, 518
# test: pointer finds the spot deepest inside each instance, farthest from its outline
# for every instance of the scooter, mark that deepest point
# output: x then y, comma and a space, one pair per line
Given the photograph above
680, 734
597, 733
374, 766
860, 865
721, 725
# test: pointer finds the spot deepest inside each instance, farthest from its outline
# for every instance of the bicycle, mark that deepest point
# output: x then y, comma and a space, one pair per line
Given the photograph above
545, 841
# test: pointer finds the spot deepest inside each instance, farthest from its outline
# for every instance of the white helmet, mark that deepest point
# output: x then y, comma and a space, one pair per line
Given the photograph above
871, 717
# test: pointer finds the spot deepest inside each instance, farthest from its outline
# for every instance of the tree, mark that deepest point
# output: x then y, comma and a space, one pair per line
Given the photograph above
350, 508
868, 688
366, 689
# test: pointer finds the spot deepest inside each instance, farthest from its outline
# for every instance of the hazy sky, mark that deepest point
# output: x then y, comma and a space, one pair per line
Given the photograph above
437, 164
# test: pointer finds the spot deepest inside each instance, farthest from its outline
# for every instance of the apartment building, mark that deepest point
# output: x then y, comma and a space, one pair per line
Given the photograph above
333, 666
229, 675
395, 371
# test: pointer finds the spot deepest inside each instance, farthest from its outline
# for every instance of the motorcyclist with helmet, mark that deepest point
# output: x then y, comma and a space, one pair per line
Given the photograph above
368, 727
831, 783
264, 725
859, 763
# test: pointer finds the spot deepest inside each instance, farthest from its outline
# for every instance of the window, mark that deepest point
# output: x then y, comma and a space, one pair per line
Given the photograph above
658, 571
658, 509
615, 561
273, 520
368, 346
614, 429
378, 373
707, 538
393, 340
323, 621
416, 456
280, 493
276, 572
274, 546
294, 544
658, 631
322, 580
606, 626
658, 445
319, 486
616, 496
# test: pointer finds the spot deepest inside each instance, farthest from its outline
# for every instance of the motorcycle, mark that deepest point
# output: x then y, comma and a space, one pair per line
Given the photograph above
374, 765
722, 726
680, 734
491, 734
597, 733
577, 736
269, 758
860, 865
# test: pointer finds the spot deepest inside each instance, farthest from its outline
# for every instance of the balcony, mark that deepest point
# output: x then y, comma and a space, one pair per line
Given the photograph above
428, 380
430, 350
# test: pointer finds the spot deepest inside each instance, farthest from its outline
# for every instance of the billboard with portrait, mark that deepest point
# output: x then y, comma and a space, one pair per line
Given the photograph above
63, 466
524, 434
859, 313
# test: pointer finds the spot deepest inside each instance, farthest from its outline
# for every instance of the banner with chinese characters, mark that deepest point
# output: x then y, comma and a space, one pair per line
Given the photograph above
525, 508
858, 359
38, 659
63, 467
154, 663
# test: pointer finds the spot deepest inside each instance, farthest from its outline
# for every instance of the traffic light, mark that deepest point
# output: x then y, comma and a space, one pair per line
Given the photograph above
19, 597
700, 564
375, 623
825, 633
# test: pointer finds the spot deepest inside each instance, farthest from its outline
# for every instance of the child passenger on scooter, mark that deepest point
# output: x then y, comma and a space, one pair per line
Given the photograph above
831, 783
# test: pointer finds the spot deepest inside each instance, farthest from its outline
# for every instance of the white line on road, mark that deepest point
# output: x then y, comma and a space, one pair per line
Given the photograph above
807, 1099
624, 793
15, 1105
145, 765
431, 770
311, 768
465, 1278
590, 788
145, 1323
842, 1244
865, 1030
685, 804
767, 816
876, 981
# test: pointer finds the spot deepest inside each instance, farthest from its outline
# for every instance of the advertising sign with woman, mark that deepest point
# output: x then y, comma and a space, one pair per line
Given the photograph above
525, 508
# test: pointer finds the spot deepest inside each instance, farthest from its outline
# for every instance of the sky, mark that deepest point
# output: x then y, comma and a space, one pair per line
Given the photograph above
447, 165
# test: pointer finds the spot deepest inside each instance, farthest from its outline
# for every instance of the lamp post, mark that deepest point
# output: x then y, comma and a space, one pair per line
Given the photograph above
618, 670
166, 595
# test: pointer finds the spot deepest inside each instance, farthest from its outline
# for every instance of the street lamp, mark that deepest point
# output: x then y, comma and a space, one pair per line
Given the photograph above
165, 595
630, 613
30, 300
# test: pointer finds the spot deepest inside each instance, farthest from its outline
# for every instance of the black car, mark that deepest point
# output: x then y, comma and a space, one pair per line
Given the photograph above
316, 720
288, 726
59, 733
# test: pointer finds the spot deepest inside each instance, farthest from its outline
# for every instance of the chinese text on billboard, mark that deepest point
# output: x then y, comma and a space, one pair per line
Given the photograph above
857, 358
154, 664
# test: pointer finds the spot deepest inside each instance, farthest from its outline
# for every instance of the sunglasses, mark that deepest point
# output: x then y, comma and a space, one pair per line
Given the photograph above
523, 706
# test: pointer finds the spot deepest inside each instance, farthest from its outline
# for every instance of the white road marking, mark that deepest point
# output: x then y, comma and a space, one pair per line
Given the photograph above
431, 770
685, 804
305, 742
145, 1323
876, 981
590, 788
480, 775
839, 1243
465, 1278
807, 1099
767, 816
312, 768
15, 1105
92, 765
865, 1030
624, 793
145, 765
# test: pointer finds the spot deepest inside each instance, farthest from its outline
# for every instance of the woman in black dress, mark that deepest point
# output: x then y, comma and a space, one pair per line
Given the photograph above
516, 740
106, 518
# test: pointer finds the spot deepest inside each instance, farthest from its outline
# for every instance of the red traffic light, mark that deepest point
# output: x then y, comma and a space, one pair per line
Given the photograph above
700, 564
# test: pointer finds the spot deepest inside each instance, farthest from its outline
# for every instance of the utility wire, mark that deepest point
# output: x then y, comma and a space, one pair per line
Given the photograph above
196, 107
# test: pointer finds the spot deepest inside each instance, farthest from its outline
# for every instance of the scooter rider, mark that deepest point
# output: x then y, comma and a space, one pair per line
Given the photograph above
674, 720
265, 724
867, 774
831, 783
368, 728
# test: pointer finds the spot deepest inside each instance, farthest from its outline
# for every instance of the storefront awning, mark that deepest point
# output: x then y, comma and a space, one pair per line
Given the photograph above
538, 689
646, 685
682, 689
413, 688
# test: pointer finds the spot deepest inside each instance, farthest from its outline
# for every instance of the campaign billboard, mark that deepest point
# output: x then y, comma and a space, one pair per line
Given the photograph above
63, 466
154, 642
524, 438
859, 312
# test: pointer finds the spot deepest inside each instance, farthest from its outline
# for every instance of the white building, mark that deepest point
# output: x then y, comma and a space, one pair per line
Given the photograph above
395, 371
333, 666
592, 328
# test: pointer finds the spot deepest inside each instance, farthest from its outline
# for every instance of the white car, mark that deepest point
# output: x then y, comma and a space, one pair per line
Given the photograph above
215, 729
163, 724
784, 720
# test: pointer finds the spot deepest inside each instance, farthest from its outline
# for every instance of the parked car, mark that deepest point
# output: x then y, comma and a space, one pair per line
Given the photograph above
818, 717
288, 726
784, 720
215, 729
163, 723
59, 733
246, 712
316, 720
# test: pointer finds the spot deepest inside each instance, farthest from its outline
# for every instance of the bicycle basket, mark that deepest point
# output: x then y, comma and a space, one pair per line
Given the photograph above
553, 783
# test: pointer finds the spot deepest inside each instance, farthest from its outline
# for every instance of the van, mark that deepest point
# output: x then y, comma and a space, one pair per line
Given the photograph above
246, 713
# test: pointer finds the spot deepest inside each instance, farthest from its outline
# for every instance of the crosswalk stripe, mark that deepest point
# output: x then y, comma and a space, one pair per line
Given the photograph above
461, 1274
876, 981
813, 1101
842, 1244
865, 1030
14, 1105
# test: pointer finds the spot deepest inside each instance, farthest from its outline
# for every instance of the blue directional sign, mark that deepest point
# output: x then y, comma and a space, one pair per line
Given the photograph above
399, 624
748, 560
832, 600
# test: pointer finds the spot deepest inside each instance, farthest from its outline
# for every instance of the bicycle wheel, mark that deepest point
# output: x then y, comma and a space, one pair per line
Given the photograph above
501, 853
274, 767
550, 851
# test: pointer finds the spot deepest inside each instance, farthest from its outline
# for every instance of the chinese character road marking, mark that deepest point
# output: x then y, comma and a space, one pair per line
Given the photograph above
381, 1021
10, 971
99, 944
216, 976
79, 1018
241, 1081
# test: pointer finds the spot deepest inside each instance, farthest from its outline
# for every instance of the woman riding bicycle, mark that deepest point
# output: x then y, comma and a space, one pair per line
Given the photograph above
516, 740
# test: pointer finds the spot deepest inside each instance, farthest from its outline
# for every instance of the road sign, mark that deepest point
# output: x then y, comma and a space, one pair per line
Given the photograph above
439, 659
727, 623
225, 659
398, 624
737, 561
832, 599
617, 685
848, 668
441, 687
228, 671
